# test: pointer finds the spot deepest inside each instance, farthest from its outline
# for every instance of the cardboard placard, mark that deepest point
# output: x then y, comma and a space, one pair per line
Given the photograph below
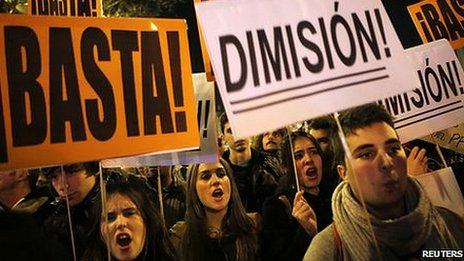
438, 102
208, 151
277, 63
437, 19
451, 138
88, 8
79, 89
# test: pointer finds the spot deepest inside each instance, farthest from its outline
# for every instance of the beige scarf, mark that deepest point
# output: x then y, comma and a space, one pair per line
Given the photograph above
421, 228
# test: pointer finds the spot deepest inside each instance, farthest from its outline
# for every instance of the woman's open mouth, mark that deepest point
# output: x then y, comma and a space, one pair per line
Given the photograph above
218, 193
123, 240
311, 173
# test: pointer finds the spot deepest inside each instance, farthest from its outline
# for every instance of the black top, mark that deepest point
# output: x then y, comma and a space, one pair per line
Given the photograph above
255, 181
283, 238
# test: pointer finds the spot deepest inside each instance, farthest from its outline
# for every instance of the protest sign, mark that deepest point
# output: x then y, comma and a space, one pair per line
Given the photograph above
204, 52
443, 190
438, 102
279, 62
79, 89
451, 138
206, 116
437, 19
89, 8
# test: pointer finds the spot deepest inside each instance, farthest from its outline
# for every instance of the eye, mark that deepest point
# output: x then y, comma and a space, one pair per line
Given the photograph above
129, 212
395, 149
313, 152
366, 155
205, 175
220, 173
111, 217
298, 155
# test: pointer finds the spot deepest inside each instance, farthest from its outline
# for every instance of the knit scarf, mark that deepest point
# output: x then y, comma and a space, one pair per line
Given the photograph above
421, 228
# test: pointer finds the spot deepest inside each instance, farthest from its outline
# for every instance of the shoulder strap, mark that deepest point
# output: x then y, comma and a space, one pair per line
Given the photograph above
338, 243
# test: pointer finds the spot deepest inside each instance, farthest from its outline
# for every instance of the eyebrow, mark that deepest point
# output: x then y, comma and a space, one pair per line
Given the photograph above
367, 146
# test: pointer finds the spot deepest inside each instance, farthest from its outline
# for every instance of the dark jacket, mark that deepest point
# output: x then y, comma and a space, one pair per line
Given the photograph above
283, 238
57, 225
255, 182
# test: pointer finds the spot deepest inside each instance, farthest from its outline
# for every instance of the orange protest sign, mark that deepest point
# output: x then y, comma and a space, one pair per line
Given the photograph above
79, 89
437, 19
204, 51
89, 8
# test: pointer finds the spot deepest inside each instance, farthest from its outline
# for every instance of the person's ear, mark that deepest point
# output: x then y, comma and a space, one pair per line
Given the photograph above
342, 172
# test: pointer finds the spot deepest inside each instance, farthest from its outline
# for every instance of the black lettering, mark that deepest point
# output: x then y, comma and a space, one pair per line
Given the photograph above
62, 65
266, 52
325, 40
176, 78
362, 36
126, 43
351, 57
452, 23
104, 129
424, 91
433, 19
83, 8
312, 67
43, 7
224, 41
447, 80
291, 44
456, 4
3, 148
420, 99
153, 106
22, 83
424, 27
253, 63
430, 72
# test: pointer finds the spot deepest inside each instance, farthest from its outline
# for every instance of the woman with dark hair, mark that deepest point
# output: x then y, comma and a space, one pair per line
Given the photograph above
293, 216
216, 226
132, 228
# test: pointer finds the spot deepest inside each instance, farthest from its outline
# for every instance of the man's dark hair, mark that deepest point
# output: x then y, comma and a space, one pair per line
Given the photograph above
90, 167
324, 123
223, 120
356, 118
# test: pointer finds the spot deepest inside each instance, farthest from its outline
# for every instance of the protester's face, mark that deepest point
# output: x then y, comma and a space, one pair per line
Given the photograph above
236, 145
271, 141
213, 186
77, 185
308, 163
125, 229
322, 138
7, 180
379, 165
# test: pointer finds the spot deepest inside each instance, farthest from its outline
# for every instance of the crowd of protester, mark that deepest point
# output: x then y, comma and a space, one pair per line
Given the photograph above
288, 194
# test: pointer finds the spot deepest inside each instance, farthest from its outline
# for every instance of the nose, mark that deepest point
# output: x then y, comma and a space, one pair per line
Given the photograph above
121, 221
308, 158
215, 180
386, 162
62, 184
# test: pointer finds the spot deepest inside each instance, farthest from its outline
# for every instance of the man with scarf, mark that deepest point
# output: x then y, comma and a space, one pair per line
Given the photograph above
379, 212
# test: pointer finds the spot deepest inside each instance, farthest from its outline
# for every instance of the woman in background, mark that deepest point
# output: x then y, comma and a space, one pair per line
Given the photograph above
216, 226
133, 229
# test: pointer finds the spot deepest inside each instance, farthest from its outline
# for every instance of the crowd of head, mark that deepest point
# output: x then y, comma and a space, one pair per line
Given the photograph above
288, 194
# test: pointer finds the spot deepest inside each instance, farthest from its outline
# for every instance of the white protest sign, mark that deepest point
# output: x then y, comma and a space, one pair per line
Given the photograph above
438, 101
443, 189
208, 151
279, 62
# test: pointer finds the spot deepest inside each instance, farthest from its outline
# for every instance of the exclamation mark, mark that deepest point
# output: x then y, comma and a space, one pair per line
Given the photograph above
205, 125
382, 32
457, 76
199, 109
176, 78
94, 8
